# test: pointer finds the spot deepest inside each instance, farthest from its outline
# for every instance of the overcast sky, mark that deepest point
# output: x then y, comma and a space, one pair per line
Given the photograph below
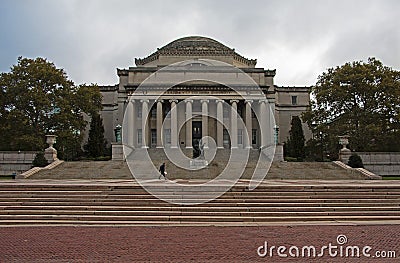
300, 39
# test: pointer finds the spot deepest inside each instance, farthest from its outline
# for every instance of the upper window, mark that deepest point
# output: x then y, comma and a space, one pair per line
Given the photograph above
294, 100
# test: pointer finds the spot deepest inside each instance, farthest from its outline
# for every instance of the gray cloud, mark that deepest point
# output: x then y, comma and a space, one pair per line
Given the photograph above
90, 39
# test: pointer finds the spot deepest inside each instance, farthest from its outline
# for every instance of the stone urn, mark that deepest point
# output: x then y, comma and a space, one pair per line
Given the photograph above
50, 153
344, 153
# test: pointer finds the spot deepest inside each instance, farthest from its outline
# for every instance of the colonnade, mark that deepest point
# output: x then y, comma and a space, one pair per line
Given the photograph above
264, 114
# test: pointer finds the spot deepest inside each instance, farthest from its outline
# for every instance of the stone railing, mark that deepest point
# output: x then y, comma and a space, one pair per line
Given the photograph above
15, 162
34, 170
381, 163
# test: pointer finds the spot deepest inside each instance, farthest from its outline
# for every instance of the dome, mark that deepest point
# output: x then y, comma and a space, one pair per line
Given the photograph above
195, 44
197, 47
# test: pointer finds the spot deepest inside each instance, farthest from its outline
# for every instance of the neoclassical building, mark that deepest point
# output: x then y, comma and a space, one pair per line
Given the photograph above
177, 117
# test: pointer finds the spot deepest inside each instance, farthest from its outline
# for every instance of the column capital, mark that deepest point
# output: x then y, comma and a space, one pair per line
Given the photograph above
129, 100
204, 101
234, 101
219, 101
144, 101
188, 100
160, 100
262, 101
248, 101
174, 100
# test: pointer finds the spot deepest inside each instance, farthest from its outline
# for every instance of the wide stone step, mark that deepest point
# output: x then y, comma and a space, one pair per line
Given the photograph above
241, 204
156, 213
201, 208
205, 218
149, 201
102, 195
140, 194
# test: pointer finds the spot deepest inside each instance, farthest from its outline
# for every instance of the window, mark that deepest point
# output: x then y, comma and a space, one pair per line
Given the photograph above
240, 111
254, 136
294, 100
226, 138
167, 110
153, 137
167, 136
153, 113
139, 136
139, 110
240, 136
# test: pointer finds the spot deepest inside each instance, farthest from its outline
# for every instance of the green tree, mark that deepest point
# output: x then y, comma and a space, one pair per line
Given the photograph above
96, 145
38, 99
295, 144
359, 99
40, 160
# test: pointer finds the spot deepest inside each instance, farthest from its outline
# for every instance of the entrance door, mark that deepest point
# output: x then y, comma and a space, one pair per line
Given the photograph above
196, 136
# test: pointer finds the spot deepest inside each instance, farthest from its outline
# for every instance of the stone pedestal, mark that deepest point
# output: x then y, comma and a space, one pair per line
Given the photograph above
278, 157
344, 155
50, 153
198, 163
117, 151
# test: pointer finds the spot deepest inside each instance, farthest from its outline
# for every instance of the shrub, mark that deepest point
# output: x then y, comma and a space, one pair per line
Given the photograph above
355, 161
40, 160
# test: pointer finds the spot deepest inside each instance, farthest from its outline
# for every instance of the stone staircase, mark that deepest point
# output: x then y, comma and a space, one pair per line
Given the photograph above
120, 170
124, 202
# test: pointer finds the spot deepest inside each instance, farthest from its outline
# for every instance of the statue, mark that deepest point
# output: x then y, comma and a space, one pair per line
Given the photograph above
201, 148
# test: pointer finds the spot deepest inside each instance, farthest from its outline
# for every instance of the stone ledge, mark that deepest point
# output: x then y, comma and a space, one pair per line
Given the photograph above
34, 170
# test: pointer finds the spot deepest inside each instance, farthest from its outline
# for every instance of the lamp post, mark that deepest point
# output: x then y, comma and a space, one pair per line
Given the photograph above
276, 134
117, 133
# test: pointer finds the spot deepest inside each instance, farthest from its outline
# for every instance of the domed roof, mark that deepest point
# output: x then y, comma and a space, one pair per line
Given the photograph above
196, 46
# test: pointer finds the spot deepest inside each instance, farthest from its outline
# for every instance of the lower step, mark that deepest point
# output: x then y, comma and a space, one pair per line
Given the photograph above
82, 219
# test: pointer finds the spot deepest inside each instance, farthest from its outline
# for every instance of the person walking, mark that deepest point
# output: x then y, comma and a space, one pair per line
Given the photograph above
162, 171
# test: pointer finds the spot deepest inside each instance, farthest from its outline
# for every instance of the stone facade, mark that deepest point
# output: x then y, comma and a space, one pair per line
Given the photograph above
284, 102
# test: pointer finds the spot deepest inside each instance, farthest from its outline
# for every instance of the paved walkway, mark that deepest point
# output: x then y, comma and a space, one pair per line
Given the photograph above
193, 244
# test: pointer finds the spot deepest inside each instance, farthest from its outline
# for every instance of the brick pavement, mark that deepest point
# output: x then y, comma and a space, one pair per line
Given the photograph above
186, 244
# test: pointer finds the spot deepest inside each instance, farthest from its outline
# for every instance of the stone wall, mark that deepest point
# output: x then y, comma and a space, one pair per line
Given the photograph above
15, 162
381, 163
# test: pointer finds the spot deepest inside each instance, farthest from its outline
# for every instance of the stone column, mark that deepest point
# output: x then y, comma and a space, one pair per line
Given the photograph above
263, 122
129, 123
204, 121
159, 122
234, 117
247, 136
145, 114
189, 104
174, 124
220, 126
